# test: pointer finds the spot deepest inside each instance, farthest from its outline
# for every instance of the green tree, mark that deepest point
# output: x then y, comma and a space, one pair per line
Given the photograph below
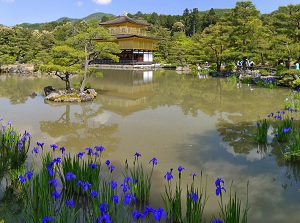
186, 20
21, 44
214, 43
285, 24
180, 52
209, 18
6, 50
74, 55
164, 45
246, 28
287, 21
154, 19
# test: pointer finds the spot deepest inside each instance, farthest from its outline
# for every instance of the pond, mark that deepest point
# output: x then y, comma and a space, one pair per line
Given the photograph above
202, 123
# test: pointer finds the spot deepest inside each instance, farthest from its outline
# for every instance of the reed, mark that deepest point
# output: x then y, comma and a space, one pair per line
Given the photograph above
292, 150
261, 132
172, 199
283, 125
196, 200
231, 212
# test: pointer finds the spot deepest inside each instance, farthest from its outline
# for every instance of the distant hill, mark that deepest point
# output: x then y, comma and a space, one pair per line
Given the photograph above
39, 26
97, 16
66, 18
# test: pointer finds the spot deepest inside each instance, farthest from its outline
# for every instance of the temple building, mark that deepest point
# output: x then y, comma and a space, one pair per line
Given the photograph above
137, 48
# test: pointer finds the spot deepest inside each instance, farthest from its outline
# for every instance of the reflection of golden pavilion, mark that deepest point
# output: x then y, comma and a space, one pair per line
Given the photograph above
126, 91
129, 33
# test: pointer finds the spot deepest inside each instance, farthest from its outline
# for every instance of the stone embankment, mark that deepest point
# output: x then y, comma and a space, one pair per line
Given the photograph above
19, 68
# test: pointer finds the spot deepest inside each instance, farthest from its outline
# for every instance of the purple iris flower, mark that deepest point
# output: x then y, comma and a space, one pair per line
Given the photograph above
219, 186
111, 168
35, 150
56, 195
137, 154
103, 207
50, 171
57, 160
168, 176
70, 176
180, 168
20, 145
29, 174
104, 217
94, 193
90, 150
115, 199
217, 221
219, 181
70, 203
194, 196
113, 184
79, 155
137, 215
148, 210
153, 161
93, 165
22, 179
62, 149
28, 134
45, 219
53, 146
53, 181
99, 148
23, 139
96, 154
128, 197
85, 185
41, 144
159, 213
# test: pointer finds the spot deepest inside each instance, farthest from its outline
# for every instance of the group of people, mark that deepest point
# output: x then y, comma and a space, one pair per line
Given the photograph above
245, 64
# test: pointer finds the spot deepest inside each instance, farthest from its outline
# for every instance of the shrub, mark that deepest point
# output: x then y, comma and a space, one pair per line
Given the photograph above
280, 68
264, 72
230, 66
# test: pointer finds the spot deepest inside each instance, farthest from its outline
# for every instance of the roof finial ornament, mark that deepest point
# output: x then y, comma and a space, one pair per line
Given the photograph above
125, 13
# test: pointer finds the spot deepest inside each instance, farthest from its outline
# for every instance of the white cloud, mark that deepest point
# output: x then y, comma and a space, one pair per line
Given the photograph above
7, 0
79, 3
102, 2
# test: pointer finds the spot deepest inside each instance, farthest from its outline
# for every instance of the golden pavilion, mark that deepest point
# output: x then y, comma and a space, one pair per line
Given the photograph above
137, 48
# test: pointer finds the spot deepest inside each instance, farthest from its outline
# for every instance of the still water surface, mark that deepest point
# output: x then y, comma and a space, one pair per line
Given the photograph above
204, 124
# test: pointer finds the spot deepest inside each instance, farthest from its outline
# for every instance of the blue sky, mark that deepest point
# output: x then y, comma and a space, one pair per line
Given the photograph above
14, 12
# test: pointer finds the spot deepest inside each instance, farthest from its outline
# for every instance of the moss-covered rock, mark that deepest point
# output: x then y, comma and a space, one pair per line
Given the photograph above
71, 96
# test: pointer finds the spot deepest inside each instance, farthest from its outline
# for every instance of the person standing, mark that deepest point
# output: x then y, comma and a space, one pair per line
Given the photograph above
297, 65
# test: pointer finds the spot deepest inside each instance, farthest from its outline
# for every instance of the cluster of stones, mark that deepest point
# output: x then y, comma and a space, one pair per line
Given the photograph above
18, 69
69, 96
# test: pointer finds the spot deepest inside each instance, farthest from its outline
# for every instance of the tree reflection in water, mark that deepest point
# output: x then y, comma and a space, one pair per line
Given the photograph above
79, 128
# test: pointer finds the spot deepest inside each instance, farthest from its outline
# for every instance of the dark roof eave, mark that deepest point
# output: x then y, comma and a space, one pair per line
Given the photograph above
122, 19
124, 36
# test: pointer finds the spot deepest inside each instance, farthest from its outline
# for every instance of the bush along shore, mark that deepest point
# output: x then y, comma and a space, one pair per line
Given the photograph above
82, 188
